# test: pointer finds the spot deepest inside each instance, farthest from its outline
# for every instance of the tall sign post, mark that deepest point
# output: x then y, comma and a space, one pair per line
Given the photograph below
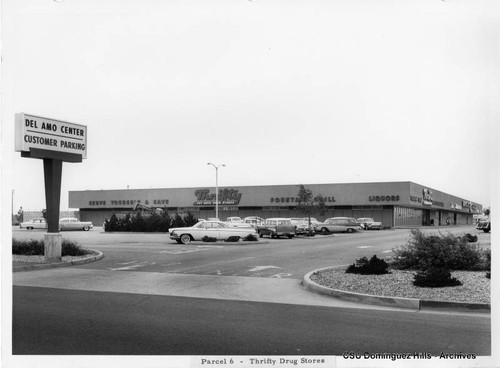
55, 142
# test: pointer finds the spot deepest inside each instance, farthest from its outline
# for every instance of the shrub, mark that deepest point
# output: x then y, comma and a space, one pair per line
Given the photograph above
135, 223
250, 237
374, 266
233, 239
487, 266
111, 224
208, 239
156, 222
27, 248
72, 248
471, 238
443, 251
36, 248
435, 277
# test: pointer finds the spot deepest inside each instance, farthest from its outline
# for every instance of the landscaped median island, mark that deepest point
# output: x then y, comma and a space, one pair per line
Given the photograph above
32, 252
475, 286
435, 268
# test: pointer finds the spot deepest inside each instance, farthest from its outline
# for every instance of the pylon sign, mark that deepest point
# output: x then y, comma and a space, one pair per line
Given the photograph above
54, 141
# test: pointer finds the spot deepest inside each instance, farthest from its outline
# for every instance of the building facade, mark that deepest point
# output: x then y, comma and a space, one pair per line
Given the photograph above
395, 204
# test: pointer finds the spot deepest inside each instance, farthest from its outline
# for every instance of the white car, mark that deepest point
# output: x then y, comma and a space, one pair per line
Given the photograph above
74, 224
37, 223
236, 222
213, 229
254, 221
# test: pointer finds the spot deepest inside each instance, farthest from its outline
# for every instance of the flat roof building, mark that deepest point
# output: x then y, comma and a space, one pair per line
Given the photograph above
395, 204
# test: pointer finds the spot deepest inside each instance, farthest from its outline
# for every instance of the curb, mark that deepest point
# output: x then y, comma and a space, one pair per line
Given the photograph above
398, 302
45, 266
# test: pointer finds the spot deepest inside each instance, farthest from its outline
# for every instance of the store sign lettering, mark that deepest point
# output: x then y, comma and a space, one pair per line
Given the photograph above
415, 199
97, 203
384, 198
427, 194
226, 196
296, 199
129, 202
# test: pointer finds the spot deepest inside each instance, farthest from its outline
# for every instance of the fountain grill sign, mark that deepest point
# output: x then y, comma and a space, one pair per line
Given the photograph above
34, 132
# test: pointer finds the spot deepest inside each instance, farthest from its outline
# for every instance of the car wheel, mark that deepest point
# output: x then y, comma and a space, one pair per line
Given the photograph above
486, 230
29, 228
324, 231
86, 228
273, 235
185, 238
350, 230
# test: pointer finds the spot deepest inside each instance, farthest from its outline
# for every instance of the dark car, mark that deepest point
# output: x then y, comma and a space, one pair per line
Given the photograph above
484, 225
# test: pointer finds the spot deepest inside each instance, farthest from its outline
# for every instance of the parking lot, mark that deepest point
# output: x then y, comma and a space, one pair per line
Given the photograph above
277, 258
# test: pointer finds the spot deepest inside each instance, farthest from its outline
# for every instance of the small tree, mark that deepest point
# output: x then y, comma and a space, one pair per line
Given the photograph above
309, 204
177, 221
190, 220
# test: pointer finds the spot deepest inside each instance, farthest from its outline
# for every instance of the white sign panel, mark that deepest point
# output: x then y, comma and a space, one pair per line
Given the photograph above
48, 134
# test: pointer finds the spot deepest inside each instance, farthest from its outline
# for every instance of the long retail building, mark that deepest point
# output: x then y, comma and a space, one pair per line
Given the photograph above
395, 204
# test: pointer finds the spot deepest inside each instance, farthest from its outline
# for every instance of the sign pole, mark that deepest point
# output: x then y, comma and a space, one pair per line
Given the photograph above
52, 172
52, 169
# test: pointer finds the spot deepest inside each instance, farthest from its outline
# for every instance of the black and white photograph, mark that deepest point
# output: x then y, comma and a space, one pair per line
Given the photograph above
249, 183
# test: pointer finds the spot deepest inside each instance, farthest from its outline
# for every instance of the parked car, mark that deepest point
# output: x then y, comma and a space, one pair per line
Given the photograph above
234, 219
37, 223
302, 225
236, 222
367, 223
339, 225
213, 229
253, 220
484, 225
74, 224
314, 222
276, 227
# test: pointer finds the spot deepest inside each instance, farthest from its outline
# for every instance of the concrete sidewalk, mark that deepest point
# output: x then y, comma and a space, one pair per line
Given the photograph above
255, 289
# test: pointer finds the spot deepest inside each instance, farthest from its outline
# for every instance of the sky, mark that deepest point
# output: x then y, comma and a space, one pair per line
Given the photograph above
281, 92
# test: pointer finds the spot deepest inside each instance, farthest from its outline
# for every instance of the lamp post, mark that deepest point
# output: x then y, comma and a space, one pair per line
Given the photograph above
216, 187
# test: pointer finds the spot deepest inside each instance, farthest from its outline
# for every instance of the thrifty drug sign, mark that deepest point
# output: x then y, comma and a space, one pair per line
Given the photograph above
48, 134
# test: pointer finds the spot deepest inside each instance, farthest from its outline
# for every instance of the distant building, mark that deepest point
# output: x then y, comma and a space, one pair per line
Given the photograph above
395, 204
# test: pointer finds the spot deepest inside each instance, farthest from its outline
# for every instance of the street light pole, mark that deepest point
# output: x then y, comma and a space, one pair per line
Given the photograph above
216, 187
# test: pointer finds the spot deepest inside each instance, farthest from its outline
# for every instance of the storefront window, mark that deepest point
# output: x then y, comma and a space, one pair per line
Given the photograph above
407, 216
